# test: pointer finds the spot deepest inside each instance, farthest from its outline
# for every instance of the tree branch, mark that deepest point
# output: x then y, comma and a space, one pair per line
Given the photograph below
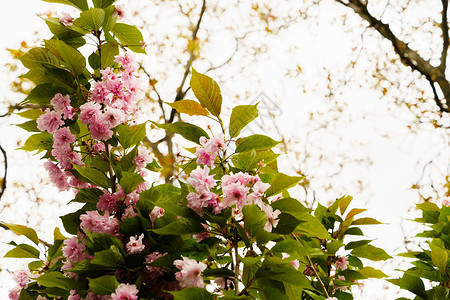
407, 55
6, 171
187, 69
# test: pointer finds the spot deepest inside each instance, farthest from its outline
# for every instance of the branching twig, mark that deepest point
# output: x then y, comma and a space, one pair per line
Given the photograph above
180, 92
407, 55
445, 37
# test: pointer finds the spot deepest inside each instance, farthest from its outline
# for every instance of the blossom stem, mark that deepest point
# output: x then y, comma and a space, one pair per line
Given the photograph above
110, 170
236, 258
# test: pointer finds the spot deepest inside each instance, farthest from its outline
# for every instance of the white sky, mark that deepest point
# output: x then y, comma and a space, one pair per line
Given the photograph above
389, 178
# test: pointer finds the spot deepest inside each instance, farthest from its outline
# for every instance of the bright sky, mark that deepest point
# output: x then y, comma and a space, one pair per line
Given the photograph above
394, 160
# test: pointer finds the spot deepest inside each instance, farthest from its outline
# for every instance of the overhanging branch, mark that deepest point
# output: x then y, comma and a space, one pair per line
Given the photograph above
407, 55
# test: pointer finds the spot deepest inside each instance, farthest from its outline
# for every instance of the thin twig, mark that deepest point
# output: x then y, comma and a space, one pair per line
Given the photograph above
5, 172
445, 37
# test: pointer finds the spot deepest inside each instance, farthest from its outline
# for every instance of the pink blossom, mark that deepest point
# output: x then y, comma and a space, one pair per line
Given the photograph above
14, 293
157, 212
241, 178
272, 216
331, 298
295, 263
58, 177
50, 121
112, 117
65, 19
74, 250
125, 291
39, 297
62, 138
202, 235
201, 180
96, 223
341, 263
446, 201
144, 45
89, 113
340, 288
204, 157
60, 102
100, 132
127, 61
235, 193
22, 278
107, 202
74, 295
135, 244
99, 147
190, 274
120, 11
129, 212
197, 201
142, 158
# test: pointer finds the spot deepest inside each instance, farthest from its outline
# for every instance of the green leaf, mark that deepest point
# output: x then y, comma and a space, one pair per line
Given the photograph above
254, 219
282, 182
343, 203
129, 181
371, 272
356, 244
129, 36
181, 226
111, 258
188, 131
130, 136
371, 252
286, 224
94, 61
66, 33
80, 4
439, 257
256, 142
37, 57
413, 284
241, 116
277, 269
58, 280
32, 114
189, 107
104, 285
365, 221
291, 206
92, 18
207, 92
43, 93
39, 141
72, 58
23, 251
313, 226
72, 221
94, 176
88, 195
30, 126
192, 293
30, 233
102, 3
109, 51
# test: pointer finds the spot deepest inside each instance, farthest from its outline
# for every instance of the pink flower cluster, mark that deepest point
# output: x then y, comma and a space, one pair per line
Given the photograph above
207, 153
190, 274
203, 197
341, 263
96, 223
73, 250
125, 291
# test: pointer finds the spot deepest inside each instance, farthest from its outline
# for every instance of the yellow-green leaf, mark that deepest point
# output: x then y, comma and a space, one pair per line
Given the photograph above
189, 107
207, 92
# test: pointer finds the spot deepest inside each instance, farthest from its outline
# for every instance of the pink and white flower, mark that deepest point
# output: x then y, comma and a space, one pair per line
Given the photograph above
49, 121
190, 272
125, 291
272, 216
135, 244
341, 263
65, 19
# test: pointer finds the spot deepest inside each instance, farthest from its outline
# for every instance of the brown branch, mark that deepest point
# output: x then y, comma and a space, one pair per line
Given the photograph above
407, 55
5, 173
445, 37
187, 69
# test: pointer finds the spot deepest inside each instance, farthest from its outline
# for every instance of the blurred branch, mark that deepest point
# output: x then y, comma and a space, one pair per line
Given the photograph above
180, 92
407, 55
15, 107
3, 188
